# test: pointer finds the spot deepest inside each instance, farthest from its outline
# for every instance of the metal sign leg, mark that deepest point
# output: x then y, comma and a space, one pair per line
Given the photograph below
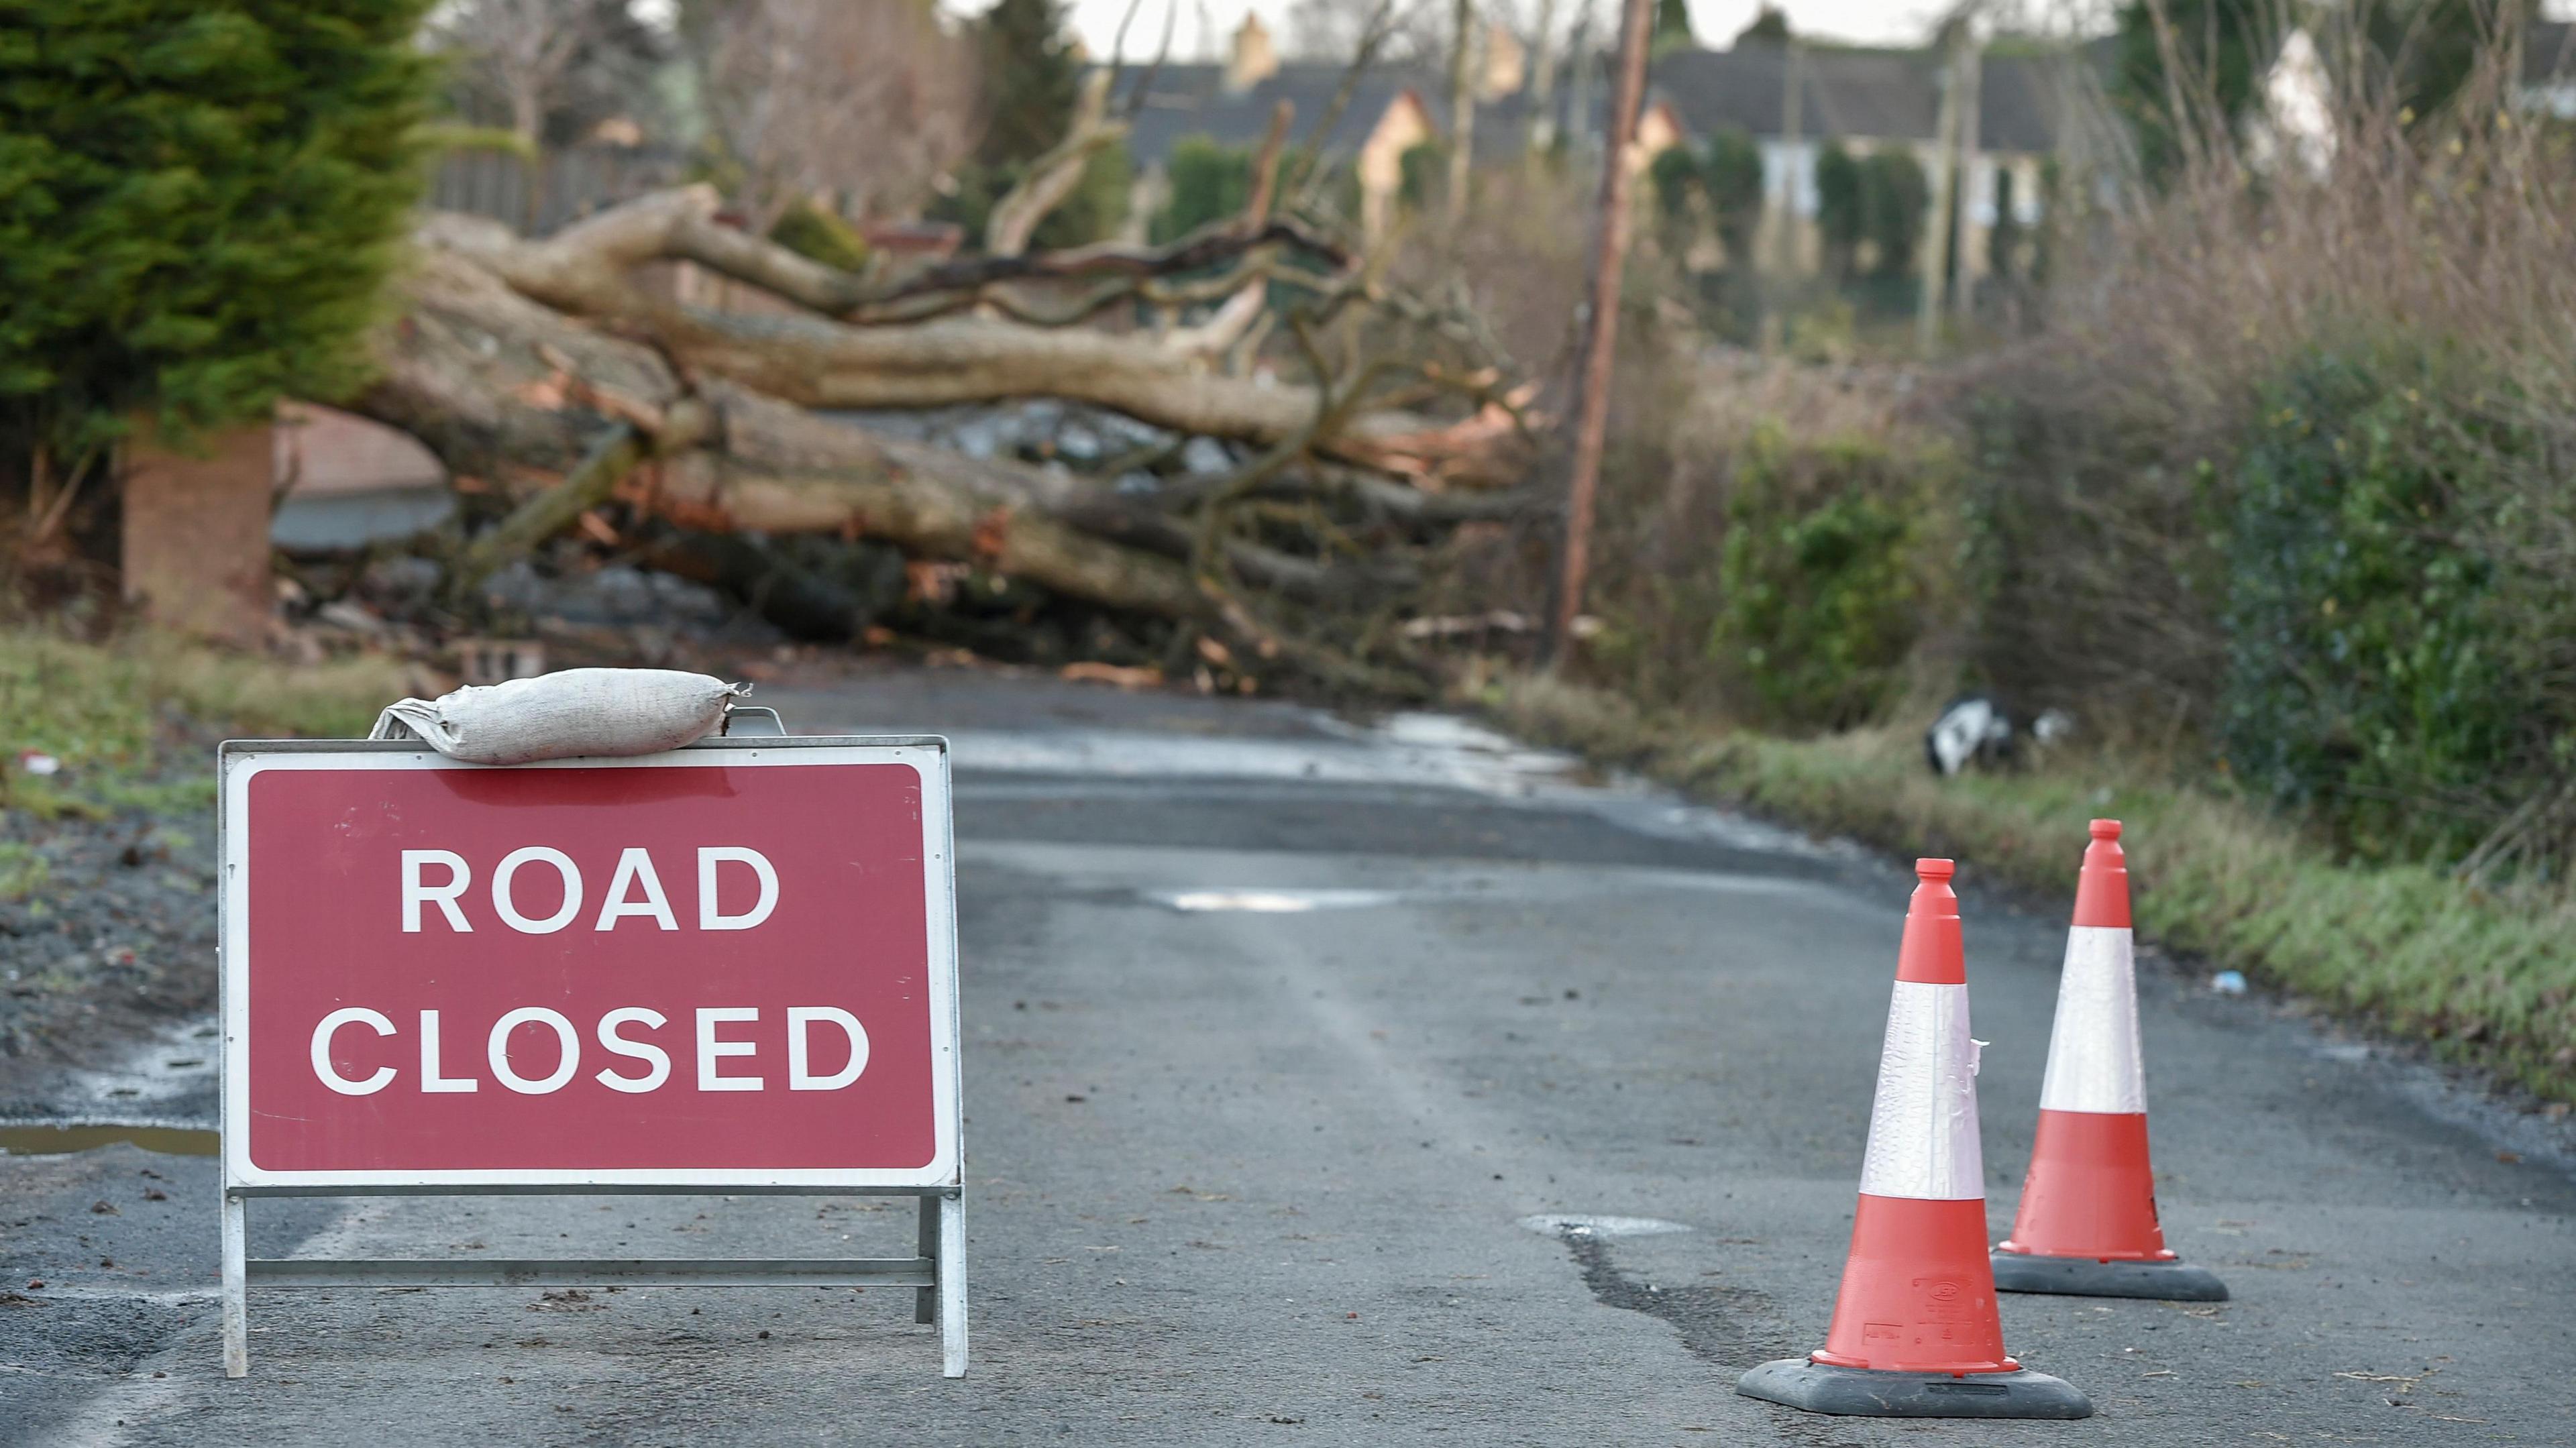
236, 1287
952, 1286
925, 1300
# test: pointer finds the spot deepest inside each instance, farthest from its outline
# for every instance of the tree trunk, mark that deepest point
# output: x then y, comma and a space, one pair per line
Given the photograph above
506, 390
546, 370
1462, 108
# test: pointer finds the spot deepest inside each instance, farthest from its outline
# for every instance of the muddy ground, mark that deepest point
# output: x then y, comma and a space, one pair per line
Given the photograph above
111, 933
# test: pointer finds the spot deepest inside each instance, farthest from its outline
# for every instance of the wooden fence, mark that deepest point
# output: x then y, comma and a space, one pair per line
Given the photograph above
562, 187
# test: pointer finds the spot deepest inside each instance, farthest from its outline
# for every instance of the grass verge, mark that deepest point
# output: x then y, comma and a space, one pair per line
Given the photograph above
127, 722
2485, 979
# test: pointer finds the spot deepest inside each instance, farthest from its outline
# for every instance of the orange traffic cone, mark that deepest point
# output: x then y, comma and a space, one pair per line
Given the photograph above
1915, 1331
2087, 1225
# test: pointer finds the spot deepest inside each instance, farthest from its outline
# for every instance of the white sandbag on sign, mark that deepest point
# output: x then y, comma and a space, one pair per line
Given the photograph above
596, 712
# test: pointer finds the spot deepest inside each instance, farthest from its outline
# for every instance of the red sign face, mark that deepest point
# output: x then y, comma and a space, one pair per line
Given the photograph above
718, 966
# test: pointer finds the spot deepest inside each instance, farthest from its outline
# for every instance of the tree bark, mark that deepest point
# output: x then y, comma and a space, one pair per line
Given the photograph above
1462, 108
1052, 177
818, 362
503, 389
550, 371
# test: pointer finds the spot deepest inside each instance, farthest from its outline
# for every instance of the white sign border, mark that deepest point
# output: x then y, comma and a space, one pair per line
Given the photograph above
238, 761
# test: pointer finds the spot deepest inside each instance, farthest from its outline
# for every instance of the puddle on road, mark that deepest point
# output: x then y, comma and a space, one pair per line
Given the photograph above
1271, 902
180, 1060
1418, 750
57, 1138
1576, 1225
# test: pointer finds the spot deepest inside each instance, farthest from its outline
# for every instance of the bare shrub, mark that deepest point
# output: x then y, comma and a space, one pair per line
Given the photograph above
2434, 257
860, 103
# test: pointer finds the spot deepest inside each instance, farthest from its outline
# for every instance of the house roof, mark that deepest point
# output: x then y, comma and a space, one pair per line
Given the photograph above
1879, 95
1192, 100
2549, 52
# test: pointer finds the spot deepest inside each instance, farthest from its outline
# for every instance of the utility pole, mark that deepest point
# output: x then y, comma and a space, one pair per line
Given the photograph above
1539, 135
1969, 76
1600, 325
1462, 108
1578, 81
1792, 124
1937, 230
1783, 262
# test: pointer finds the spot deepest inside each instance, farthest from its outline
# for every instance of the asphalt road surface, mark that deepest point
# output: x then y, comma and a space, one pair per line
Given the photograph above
1278, 1033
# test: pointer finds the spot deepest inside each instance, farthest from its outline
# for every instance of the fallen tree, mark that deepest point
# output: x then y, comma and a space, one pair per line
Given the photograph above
560, 374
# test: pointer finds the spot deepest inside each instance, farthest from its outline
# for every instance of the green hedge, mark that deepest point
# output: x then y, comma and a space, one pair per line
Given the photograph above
1822, 578
2387, 674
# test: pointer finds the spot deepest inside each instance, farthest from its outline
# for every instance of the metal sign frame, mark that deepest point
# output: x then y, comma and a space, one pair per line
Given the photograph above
937, 1269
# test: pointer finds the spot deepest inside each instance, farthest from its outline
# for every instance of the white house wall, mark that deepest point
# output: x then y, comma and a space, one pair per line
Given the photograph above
1798, 162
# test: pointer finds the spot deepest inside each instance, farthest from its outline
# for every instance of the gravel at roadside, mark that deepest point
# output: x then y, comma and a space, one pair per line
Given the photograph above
109, 932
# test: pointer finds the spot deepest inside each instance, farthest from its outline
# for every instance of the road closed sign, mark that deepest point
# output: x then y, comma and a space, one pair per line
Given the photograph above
728, 966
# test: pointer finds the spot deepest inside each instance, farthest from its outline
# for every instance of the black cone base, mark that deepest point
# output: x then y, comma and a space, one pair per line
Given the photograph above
2084, 1277
1861, 1393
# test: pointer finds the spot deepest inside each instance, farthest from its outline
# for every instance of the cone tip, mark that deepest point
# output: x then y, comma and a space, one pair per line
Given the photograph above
2106, 829
1934, 872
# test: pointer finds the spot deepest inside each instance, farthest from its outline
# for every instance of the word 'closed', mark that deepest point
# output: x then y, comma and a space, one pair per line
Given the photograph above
513, 1052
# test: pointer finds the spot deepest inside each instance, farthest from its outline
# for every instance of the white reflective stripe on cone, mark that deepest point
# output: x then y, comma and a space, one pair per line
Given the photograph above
1923, 1129
2093, 1061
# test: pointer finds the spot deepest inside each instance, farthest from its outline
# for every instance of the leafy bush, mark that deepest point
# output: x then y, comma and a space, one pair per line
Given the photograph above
1875, 202
818, 235
2382, 670
1821, 578
1731, 171
1094, 211
1714, 461
1726, 176
1424, 173
1210, 181
1674, 173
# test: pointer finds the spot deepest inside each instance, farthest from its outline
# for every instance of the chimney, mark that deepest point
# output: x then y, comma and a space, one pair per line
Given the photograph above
1254, 59
1506, 64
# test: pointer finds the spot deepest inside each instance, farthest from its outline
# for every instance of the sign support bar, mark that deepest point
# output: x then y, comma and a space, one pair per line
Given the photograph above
938, 1274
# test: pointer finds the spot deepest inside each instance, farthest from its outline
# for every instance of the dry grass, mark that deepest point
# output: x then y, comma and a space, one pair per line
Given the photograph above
119, 714
2485, 979
2099, 458
2442, 246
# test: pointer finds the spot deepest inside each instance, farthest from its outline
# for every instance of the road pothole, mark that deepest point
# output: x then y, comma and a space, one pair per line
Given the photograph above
1557, 1224
1720, 1322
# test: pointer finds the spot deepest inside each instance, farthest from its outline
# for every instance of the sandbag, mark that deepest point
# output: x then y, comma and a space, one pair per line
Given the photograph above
611, 712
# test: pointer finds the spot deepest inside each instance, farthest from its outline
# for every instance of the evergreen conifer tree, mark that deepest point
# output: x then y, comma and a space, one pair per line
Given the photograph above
198, 202
1031, 80
1672, 27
